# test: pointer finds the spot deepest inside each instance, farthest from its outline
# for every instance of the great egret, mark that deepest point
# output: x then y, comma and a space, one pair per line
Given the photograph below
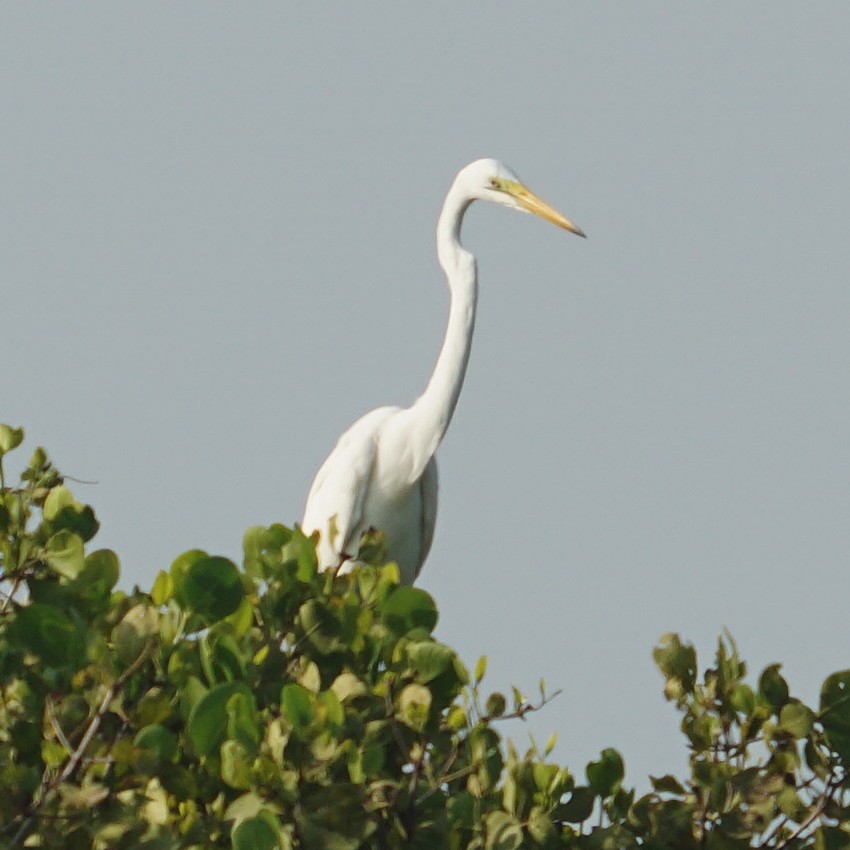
382, 473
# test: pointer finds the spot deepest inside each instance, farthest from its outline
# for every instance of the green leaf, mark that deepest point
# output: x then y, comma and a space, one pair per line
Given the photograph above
247, 806
333, 819
139, 624
835, 695
835, 712
347, 686
796, 719
773, 688
297, 706
82, 797
429, 659
541, 828
179, 568
667, 784
63, 512
252, 551
163, 588
207, 723
10, 438
495, 705
154, 707
321, 628
221, 658
544, 775
302, 550
242, 618
53, 754
485, 751
461, 809
414, 704
743, 699
58, 499
408, 608
578, 807
678, 664
212, 587
789, 803
330, 711
235, 765
158, 740
372, 548
79, 519
503, 832
257, 833
47, 632
64, 554
480, 669
102, 566
190, 695
242, 723
456, 719
263, 549
605, 775
94, 584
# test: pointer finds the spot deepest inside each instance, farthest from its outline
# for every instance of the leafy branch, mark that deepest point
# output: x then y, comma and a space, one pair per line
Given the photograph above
266, 705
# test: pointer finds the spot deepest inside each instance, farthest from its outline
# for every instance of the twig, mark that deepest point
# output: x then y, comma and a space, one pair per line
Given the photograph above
525, 708
77, 755
51, 716
817, 811
79, 480
73, 762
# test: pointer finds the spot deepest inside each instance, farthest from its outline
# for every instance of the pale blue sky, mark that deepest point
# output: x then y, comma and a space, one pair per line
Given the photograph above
217, 244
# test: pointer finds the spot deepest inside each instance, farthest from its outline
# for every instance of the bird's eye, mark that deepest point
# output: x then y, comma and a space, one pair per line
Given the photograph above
494, 182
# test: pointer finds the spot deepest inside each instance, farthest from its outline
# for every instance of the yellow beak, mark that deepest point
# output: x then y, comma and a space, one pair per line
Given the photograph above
530, 202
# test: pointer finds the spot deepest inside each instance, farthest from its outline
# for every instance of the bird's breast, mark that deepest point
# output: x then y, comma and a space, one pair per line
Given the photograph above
395, 507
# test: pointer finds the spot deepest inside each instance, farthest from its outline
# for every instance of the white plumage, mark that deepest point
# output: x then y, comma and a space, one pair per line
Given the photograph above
382, 473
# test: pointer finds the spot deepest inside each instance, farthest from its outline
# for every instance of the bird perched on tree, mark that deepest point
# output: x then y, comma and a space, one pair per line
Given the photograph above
382, 473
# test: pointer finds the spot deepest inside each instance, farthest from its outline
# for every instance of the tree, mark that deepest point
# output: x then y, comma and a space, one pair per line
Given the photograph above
274, 706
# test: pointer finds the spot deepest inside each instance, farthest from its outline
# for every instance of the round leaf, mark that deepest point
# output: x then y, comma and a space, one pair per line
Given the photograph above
138, 625
414, 703
429, 659
65, 554
408, 608
255, 834
578, 807
157, 739
10, 438
212, 587
796, 719
102, 567
207, 724
47, 632
605, 775
296, 705
772, 687
503, 832
835, 712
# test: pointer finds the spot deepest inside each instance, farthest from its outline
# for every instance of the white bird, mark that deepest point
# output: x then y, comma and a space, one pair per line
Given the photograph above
382, 474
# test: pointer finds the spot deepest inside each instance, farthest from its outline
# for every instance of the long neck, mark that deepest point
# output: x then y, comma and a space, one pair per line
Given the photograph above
431, 413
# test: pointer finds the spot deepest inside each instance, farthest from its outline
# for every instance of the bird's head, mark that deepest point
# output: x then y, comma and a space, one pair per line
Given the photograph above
491, 180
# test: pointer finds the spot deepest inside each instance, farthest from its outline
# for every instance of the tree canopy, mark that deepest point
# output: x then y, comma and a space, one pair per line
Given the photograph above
271, 705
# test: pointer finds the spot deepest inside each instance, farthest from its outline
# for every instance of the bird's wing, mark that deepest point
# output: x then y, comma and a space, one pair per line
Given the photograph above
341, 484
428, 491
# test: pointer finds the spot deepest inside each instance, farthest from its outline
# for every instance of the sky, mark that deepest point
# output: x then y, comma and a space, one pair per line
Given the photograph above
217, 243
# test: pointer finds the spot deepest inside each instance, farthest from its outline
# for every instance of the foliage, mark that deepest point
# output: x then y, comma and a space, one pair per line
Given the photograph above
274, 706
